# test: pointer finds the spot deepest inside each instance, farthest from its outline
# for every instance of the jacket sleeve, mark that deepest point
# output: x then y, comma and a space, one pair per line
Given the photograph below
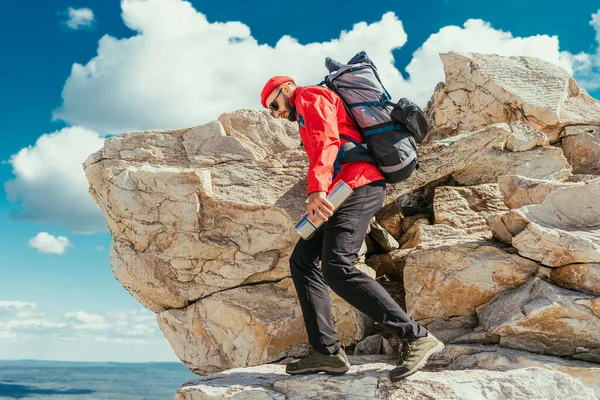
322, 140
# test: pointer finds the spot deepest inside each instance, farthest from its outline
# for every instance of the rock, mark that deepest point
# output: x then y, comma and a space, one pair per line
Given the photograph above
543, 318
525, 137
466, 207
421, 233
480, 157
519, 191
373, 344
545, 273
418, 201
484, 89
390, 264
556, 233
497, 225
367, 379
390, 218
584, 278
249, 325
451, 279
582, 149
448, 329
383, 237
417, 219
582, 177
496, 358
591, 355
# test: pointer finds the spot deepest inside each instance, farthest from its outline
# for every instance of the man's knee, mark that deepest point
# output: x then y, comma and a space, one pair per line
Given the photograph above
335, 271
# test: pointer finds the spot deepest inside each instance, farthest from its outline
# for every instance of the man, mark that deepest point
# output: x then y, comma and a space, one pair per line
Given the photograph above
322, 118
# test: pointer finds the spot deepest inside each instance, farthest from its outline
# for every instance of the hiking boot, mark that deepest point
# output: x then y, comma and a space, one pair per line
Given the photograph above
334, 364
414, 355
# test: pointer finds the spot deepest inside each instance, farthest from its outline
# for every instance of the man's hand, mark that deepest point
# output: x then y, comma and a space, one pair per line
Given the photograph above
318, 206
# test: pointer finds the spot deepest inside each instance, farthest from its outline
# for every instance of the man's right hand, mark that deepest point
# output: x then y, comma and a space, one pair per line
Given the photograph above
318, 207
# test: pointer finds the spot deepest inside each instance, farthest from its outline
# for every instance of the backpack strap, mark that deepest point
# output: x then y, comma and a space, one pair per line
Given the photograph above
390, 127
353, 151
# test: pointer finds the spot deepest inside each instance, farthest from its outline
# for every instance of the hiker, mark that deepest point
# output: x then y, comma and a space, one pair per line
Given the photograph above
322, 118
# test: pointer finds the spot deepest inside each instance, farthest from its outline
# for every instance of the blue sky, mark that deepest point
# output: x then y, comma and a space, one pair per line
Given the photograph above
67, 305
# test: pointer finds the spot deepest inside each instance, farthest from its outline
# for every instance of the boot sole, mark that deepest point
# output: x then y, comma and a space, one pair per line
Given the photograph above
421, 363
328, 370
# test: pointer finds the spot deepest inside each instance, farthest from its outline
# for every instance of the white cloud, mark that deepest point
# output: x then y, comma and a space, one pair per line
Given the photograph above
79, 18
46, 243
23, 321
99, 248
50, 185
127, 336
90, 322
478, 36
34, 324
20, 309
587, 66
181, 70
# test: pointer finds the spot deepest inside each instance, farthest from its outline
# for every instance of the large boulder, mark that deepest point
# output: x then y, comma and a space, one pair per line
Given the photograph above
484, 89
203, 217
447, 279
545, 319
564, 229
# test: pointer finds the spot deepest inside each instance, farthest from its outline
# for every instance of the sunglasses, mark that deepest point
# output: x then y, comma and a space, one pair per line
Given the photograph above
273, 106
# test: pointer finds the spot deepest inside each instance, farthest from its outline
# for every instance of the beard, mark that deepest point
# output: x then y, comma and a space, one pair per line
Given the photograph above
288, 108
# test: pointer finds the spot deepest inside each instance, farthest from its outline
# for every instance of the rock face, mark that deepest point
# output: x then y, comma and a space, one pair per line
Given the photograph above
202, 224
198, 224
482, 90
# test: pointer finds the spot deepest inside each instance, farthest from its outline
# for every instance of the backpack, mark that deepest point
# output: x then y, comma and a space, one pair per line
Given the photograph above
390, 131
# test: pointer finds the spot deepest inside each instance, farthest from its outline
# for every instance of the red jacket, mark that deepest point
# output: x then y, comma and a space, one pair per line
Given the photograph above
322, 118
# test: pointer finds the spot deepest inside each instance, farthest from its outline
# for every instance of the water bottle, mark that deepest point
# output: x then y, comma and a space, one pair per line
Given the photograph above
340, 192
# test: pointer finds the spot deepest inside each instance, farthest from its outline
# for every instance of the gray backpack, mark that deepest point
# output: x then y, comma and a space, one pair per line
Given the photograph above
390, 131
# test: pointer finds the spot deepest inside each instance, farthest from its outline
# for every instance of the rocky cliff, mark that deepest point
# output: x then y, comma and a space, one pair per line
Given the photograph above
493, 244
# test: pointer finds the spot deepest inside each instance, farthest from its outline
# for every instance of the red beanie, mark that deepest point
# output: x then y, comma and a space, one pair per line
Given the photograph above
271, 85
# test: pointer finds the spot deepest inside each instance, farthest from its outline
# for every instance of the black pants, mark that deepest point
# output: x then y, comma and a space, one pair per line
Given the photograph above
336, 244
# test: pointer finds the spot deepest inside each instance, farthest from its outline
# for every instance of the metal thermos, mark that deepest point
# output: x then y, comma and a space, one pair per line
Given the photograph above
340, 192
